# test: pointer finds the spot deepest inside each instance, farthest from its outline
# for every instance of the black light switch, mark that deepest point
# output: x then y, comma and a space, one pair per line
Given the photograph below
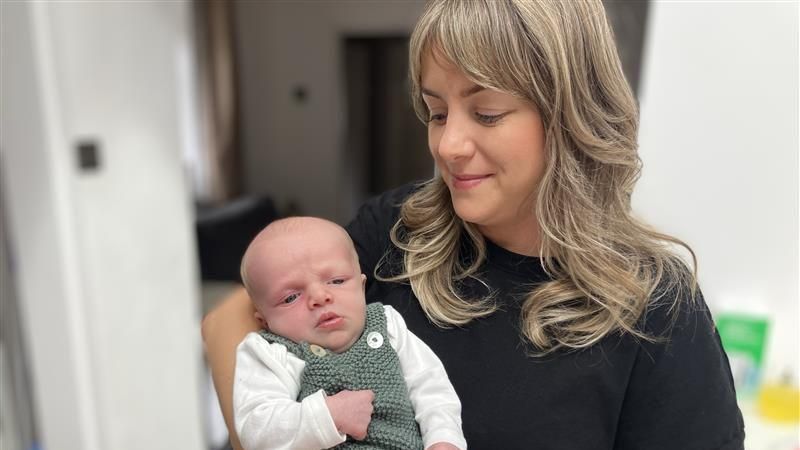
300, 94
88, 154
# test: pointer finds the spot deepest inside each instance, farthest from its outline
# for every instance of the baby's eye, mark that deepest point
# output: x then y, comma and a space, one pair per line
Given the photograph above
291, 298
337, 281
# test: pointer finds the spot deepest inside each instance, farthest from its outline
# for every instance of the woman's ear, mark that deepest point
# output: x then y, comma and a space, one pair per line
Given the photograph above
261, 320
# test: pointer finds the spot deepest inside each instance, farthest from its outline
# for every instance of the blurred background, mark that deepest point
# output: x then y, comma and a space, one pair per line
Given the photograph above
144, 143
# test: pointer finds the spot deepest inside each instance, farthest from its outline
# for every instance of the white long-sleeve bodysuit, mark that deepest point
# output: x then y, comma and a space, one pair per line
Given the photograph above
267, 414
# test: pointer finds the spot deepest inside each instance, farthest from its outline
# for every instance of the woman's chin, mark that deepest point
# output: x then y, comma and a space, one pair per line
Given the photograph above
471, 214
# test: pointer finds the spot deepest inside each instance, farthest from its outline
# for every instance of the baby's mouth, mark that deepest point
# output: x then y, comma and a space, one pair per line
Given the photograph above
329, 320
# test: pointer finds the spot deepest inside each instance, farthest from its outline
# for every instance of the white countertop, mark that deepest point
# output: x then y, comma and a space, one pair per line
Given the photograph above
761, 434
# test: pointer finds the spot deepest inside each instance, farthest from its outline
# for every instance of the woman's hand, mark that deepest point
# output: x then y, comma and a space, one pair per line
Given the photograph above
223, 329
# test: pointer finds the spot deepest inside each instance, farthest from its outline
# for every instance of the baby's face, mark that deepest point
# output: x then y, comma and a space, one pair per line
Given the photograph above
308, 287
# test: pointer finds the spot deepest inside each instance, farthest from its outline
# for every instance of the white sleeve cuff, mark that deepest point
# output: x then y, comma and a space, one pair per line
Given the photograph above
451, 436
325, 428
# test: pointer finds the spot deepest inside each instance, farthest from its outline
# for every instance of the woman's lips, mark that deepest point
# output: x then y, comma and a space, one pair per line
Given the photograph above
468, 181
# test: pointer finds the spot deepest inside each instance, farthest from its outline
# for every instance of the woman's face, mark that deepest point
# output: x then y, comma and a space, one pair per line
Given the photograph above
489, 148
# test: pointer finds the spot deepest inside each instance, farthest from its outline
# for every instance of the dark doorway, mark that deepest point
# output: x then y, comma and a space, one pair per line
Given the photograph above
629, 21
386, 144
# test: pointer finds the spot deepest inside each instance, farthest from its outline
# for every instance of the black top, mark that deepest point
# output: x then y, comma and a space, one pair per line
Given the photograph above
619, 394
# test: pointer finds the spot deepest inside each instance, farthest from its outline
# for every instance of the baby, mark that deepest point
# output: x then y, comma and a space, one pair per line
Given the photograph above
331, 369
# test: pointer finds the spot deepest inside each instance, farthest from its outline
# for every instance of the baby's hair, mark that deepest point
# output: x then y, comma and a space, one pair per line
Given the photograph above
287, 225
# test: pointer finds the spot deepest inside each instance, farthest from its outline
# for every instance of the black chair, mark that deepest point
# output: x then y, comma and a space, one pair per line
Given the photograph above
223, 233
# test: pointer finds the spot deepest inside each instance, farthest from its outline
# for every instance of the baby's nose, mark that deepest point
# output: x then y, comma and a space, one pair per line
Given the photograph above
319, 296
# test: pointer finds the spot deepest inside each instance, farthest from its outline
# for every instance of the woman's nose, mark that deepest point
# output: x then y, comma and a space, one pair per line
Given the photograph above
455, 141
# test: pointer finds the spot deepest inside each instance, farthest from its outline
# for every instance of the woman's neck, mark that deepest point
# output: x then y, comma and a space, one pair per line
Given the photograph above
522, 237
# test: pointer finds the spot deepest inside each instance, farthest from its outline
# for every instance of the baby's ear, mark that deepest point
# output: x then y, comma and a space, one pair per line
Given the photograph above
363, 282
261, 320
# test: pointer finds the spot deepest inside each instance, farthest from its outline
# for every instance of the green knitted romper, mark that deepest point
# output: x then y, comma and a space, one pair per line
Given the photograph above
371, 363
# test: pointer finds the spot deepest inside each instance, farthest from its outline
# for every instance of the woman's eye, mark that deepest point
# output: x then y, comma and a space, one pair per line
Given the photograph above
437, 118
291, 298
488, 119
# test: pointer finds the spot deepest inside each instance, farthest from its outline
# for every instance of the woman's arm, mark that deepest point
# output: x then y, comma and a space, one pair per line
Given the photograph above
223, 329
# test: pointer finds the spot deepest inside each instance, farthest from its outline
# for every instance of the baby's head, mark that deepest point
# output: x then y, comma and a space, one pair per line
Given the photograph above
303, 276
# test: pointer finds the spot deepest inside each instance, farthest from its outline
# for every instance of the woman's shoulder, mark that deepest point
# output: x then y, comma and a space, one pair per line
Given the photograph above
676, 302
681, 333
681, 381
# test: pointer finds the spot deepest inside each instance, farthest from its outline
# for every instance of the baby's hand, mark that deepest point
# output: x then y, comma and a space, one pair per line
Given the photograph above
351, 412
442, 446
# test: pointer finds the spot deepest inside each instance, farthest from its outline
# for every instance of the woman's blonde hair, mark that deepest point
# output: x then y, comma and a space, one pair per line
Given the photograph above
605, 265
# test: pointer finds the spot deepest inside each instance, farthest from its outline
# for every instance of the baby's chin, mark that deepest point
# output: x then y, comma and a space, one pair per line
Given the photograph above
342, 345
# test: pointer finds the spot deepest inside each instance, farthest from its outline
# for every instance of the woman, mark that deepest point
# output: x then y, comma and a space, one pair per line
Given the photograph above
563, 322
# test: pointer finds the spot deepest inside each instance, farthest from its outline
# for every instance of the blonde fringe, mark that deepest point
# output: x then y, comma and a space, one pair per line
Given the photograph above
606, 267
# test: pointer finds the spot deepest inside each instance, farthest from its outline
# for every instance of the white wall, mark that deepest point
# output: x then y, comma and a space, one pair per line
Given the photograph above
292, 151
105, 261
719, 140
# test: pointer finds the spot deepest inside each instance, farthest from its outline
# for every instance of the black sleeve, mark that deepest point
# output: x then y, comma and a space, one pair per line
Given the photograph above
681, 394
370, 228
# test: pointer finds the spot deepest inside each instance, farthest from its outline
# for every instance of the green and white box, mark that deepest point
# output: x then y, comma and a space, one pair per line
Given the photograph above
744, 337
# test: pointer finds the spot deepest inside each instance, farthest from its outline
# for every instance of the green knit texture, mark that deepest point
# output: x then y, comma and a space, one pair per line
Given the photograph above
363, 367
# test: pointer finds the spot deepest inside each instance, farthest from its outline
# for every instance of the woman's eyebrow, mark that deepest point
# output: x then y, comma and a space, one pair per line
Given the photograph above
474, 89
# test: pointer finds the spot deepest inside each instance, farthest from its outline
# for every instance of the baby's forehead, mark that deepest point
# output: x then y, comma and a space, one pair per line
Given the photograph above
310, 235
298, 226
